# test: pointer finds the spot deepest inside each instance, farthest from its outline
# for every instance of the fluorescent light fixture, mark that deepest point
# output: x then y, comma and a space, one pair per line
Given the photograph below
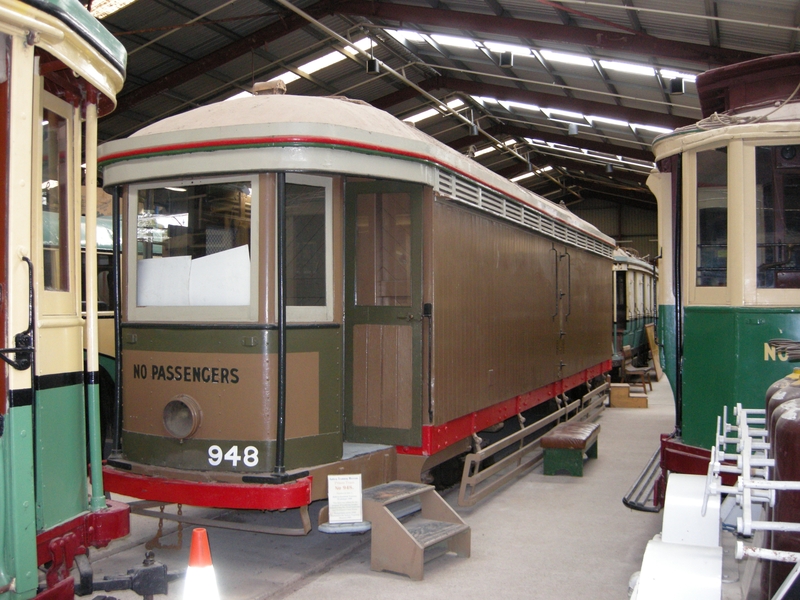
623, 67
652, 128
404, 35
175, 189
483, 151
514, 49
103, 8
426, 114
455, 42
510, 142
669, 74
607, 121
535, 142
569, 59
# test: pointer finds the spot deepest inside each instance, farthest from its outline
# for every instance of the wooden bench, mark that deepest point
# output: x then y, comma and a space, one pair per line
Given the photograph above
565, 445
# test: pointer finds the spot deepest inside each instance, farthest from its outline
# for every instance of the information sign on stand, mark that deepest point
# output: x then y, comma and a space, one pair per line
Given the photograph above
344, 499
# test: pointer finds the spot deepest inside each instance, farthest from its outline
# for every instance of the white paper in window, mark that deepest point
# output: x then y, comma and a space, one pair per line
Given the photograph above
163, 281
221, 279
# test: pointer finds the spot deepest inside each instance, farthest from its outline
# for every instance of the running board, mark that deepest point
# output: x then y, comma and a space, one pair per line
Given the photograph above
641, 495
586, 408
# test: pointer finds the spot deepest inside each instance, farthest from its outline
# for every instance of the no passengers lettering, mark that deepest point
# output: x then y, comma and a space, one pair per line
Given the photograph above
187, 374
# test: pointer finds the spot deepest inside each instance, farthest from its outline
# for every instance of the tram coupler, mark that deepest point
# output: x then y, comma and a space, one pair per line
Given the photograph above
148, 580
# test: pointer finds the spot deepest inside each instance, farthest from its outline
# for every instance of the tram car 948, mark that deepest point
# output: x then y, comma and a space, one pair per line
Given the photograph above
60, 70
425, 299
729, 200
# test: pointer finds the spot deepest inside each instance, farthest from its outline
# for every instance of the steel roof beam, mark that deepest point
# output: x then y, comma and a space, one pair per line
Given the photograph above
637, 44
501, 92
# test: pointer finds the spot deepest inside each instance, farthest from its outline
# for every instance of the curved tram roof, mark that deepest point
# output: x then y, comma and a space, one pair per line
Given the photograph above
335, 135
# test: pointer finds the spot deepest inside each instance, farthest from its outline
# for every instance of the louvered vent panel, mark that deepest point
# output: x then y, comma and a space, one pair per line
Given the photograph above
463, 190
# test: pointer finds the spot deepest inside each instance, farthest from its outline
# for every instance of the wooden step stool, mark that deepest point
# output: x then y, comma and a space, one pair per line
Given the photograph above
400, 547
564, 447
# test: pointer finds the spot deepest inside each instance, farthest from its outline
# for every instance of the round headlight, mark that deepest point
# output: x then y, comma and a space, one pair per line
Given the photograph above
182, 416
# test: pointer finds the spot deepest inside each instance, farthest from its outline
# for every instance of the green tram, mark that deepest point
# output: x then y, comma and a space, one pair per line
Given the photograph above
728, 193
61, 70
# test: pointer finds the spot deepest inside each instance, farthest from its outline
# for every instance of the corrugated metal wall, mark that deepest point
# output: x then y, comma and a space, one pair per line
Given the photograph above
632, 227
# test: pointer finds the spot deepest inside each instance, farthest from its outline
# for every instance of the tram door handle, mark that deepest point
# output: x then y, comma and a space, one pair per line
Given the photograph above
23, 342
409, 317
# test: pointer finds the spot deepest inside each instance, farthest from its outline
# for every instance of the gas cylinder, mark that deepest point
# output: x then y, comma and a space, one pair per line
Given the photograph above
785, 446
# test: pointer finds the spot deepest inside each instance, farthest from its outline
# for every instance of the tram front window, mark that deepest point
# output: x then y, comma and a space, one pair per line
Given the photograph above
193, 244
778, 216
712, 218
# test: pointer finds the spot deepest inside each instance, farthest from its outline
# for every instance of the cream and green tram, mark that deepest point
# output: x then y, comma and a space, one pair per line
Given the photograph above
60, 70
728, 191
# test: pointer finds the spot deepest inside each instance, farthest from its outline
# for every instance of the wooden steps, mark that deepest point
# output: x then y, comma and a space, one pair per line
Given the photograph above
401, 547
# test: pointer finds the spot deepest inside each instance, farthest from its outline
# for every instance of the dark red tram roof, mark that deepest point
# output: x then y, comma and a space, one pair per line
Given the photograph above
749, 84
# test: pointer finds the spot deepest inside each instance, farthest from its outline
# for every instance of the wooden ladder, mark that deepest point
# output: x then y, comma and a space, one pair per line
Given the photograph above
401, 547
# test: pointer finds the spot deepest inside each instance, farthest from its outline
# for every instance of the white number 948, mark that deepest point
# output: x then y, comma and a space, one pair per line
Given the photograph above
249, 458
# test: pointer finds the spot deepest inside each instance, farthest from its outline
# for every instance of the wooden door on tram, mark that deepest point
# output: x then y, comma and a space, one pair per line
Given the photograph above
383, 313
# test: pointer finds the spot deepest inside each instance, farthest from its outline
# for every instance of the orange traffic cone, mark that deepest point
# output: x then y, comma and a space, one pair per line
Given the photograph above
200, 583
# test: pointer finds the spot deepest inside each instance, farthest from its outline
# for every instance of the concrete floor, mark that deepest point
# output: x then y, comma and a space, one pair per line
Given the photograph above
540, 537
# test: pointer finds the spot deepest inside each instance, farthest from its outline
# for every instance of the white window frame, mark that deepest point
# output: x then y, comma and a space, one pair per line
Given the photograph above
243, 313
314, 314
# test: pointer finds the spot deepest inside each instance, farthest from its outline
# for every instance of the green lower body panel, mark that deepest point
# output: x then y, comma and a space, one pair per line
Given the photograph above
61, 487
727, 360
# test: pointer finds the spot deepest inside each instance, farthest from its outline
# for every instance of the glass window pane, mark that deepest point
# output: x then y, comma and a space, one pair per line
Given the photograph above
193, 245
383, 250
55, 205
778, 216
712, 218
305, 245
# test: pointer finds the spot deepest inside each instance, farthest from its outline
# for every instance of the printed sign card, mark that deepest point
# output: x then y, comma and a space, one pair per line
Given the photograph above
344, 499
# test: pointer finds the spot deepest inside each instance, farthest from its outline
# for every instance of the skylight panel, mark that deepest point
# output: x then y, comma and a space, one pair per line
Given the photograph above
404, 35
483, 151
456, 42
563, 113
320, 63
653, 128
511, 104
484, 100
607, 121
286, 78
242, 94
514, 49
362, 44
570, 59
623, 67
670, 74
523, 176
426, 114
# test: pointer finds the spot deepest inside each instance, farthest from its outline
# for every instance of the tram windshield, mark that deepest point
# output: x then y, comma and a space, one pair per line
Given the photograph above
778, 216
193, 244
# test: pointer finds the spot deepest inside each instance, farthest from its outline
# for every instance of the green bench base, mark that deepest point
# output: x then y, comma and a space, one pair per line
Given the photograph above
567, 461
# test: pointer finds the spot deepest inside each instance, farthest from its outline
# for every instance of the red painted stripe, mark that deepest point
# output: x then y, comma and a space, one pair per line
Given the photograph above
437, 438
310, 139
213, 494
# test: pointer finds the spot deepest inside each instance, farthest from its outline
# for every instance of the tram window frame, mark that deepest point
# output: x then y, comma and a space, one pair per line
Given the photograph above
64, 299
322, 312
188, 312
711, 229
772, 178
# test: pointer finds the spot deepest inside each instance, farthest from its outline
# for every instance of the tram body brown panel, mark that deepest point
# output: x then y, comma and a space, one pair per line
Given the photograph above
498, 311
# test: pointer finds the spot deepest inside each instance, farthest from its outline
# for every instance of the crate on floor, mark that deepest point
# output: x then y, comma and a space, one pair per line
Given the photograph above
622, 397
565, 446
